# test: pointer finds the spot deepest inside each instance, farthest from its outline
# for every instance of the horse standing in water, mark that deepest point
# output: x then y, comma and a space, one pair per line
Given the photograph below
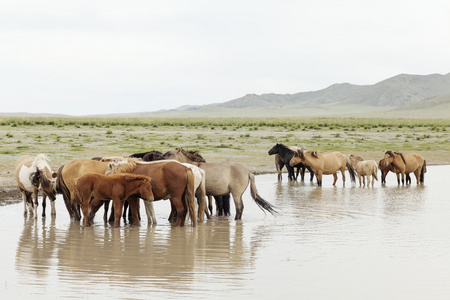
409, 163
68, 173
325, 164
225, 178
34, 174
389, 167
170, 180
364, 168
114, 187
286, 154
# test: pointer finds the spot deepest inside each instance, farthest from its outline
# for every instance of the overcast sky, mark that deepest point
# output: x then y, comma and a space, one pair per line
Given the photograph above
100, 57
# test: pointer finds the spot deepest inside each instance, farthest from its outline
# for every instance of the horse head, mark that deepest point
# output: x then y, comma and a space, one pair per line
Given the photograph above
47, 185
145, 190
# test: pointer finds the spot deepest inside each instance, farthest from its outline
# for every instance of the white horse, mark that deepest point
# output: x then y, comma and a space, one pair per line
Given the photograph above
34, 174
364, 168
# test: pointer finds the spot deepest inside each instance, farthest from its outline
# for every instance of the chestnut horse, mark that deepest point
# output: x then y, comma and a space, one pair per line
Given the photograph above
364, 168
324, 164
170, 180
409, 163
113, 187
385, 170
224, 178
33, 174
68, 173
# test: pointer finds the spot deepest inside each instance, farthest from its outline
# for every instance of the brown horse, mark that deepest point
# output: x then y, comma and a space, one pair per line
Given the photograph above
170, 180
113, 187
224, 178
409, 163
364, 168
68, 173
385, 169
33, 174
324, 164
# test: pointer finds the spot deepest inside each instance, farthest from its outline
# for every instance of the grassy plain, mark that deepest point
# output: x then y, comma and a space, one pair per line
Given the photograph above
244, 140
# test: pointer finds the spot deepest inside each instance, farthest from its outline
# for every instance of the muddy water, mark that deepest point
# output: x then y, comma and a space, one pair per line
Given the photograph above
386, 242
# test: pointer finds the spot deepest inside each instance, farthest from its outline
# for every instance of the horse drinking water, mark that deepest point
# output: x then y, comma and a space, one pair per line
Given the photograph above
34, 174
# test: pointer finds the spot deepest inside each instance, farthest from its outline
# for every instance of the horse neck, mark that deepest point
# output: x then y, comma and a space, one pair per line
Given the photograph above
283, 151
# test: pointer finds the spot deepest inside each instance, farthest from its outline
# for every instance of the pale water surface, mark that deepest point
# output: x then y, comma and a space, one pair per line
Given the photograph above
386, 242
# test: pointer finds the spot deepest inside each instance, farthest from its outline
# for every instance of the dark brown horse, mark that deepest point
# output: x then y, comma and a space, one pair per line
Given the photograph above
149, 156
170, 180
117, 188
286, 153
408, 163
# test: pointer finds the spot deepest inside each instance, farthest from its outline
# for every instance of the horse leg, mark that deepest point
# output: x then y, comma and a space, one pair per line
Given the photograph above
335, 179
296, 175
359, 177
291, 174
319, 178
118, 208
44, 204
210, 207
149, 210
124, 214
226, 204
180, 209
133, 205
343, 176
105, 212
403, 178
34, 203
25, 201
239, 204
303, 169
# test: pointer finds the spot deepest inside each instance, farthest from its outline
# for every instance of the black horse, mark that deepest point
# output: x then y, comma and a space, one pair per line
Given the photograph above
149, 156
286, 154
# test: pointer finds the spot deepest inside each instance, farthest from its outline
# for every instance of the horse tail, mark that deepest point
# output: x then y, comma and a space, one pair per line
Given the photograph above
350, 169
202, 209
61, 188
424, 170
189, 196
375, 170
262, 204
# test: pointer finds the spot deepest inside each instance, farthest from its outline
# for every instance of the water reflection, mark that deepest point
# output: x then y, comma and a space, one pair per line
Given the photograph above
326, 242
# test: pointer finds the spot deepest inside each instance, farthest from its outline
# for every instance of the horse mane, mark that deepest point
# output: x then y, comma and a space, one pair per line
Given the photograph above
192, 155
357, 157
40, 162
390, 153
314, 153
284, 147
123, 166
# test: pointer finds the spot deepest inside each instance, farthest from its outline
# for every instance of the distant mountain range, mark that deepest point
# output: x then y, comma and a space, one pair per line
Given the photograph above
398, 91
403, 95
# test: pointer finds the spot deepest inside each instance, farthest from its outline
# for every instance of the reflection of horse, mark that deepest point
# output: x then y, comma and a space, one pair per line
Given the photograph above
409, 163
68, 173
286, 154
114, 187
34, 174
324, 164
385, 170
225, 178
364, 168
170, 180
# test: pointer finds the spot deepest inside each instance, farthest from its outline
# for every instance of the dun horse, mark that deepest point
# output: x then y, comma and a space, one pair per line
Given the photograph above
364, 168
170, 180
224, 178
385, 169
33, 174
409, 163
114, 187
286, 154
68, 173
324, 164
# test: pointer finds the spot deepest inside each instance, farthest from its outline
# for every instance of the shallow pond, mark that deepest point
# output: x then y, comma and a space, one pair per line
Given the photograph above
385, 242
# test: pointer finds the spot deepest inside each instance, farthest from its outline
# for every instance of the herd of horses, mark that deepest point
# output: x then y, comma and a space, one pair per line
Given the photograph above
186, 179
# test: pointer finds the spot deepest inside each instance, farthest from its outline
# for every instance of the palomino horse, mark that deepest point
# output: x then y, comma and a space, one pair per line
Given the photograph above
286, 154
68, 173
385, 170
225, 178
364, 168
324, 164
34, 174
113, 187
409, 163
170, 180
